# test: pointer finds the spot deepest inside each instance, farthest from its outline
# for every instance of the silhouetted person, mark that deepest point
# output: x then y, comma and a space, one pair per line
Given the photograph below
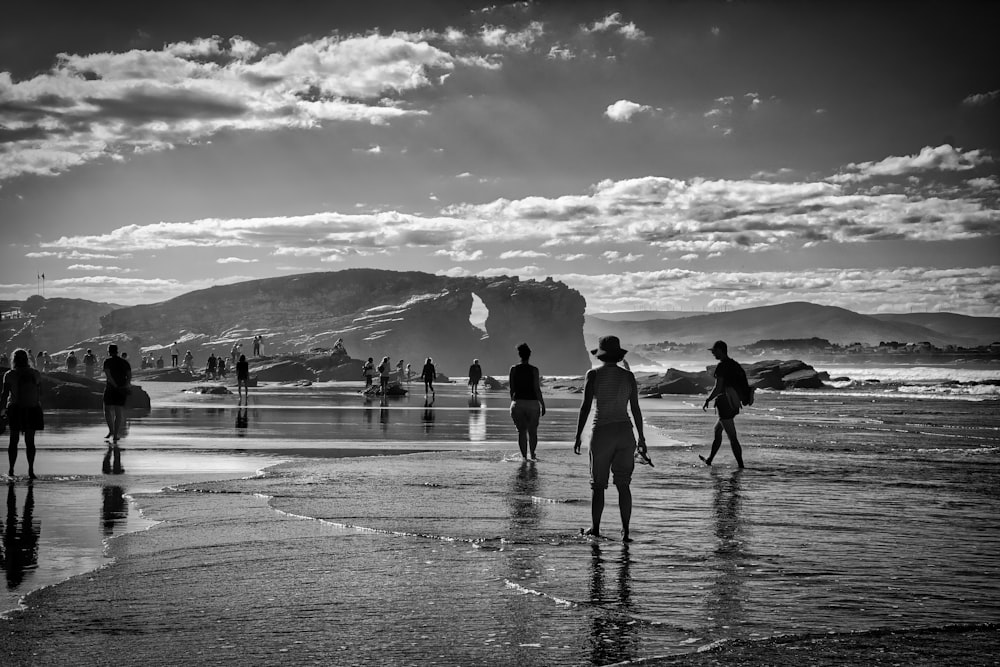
730, 380
612, 443
475, 375
427, 375
526, 403
243, 377
175, 355
368, 370
256, 346
384, 373
21, 401
71, 362
89, 362
118, 380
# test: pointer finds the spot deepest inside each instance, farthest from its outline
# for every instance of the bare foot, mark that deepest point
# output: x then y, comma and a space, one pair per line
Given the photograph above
625, 537
704, 460
590, 532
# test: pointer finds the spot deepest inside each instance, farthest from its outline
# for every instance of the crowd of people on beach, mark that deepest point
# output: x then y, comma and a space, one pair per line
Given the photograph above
610, 390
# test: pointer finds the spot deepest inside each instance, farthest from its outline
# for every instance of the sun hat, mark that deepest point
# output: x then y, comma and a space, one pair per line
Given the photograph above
609, 348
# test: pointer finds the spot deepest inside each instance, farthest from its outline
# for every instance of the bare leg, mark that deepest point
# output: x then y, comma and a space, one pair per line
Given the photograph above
716, 443
734, 442
119, 417
625, 506
109, 417
522, 442
15, 436
29, 450
596, 511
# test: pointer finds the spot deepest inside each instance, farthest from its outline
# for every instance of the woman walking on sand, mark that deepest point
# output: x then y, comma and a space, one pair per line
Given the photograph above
526, 403
21, 404
475, 375
384, 373
243, 378
427, 375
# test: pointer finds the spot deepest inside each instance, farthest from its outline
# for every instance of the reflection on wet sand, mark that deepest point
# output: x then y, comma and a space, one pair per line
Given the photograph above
725, 601
428, 416
520, 557
112, 462
114, 509
477, 420
614, 635
19, 555
242, 422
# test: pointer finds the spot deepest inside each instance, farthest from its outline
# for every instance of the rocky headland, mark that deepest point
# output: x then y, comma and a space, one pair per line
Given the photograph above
67, 391
403, 315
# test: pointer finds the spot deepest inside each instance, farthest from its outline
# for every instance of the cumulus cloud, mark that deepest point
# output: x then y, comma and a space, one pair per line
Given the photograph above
940, 158
696, 216
982, 99
235, 260
622, 111
970, 290
522, 254
112, 105
613, 23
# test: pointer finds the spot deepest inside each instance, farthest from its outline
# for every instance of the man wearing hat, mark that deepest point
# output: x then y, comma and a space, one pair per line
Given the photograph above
730, 379
612, 443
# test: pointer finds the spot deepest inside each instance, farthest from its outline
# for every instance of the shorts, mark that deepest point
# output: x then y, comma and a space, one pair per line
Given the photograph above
612, 449
21, 419
728, 404
526, 414
116, 397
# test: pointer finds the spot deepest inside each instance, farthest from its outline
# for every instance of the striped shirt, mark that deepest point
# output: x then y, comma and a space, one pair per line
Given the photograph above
613, 386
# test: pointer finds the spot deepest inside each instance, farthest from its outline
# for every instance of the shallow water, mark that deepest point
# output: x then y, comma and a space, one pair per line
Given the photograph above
854, 513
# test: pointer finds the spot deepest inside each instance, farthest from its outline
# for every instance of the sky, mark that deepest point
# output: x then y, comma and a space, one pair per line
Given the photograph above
652, 155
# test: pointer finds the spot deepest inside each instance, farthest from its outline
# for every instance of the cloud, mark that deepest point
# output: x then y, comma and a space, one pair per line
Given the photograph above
457, 255
95, 267
235, 260
522, 254
982, 99
113, 105
622, 111
942, 158
613, 23
696, 216
969, 290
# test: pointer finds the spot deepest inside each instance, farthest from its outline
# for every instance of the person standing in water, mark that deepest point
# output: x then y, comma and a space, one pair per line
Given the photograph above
118, 378
730, 382
612, 443
475, 375
526, 403
427, 375
243, 378
21, 403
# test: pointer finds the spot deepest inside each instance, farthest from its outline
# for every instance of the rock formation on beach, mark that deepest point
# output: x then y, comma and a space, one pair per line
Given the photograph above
792, 374
53, 324
403, 315
66, 391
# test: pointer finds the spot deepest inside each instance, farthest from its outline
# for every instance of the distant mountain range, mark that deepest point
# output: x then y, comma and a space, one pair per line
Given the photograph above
796, 320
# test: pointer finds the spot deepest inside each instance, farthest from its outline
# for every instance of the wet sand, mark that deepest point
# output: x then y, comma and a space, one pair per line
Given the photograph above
468, 556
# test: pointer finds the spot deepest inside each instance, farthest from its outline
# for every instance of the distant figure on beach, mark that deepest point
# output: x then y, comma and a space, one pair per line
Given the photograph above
400, 371
243, 377
730, 383
409, 373
20, 401
526, 403
256, 346
475, 375
612, 443
4, 360
234, 353
189, 362
210, 366
338, 348
175, 355
159, 361
384, 373
118, 380
71, 361
427, 375
368, 370
222, 368
89, 362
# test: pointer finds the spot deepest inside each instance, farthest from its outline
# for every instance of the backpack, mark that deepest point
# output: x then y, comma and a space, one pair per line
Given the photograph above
745, 391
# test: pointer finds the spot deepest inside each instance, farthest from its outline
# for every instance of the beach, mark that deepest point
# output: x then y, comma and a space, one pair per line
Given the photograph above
318, 529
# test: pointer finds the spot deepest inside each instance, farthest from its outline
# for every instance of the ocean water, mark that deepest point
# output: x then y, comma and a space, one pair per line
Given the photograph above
857, 511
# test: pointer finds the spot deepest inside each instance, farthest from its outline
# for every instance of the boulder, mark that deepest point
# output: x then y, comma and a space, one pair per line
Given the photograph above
217, 390
792, 374
491, 382
167, 375
284, 371
677, 386
65, 391
335, 368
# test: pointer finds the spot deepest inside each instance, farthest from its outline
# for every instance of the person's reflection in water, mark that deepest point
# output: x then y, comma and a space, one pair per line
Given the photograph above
368, 412
725, 602
112, 463
383, 416
19, 555
477, 420
114, 509
242, 422
614, 634
520, 554
428, 416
